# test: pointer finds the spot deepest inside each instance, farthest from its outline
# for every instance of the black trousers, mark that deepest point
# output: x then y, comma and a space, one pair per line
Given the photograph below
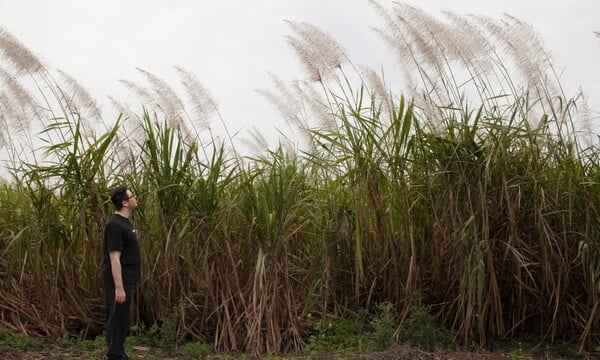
117, 320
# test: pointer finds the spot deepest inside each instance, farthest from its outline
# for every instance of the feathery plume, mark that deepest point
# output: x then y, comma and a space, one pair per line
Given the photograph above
81, 98
517, 48
414, 48
422, 51
3, 131
475, 45
132, 128
151, 105
331, 53
545, 82
306, 57
393, 35
480, 59
440, 37
14, 118
317, 105
204, 106
396, 37
170, 104
407, 65
521, 43
375, 82
436, 47
16, 91
120, 107
528, 40
21, 58
285, 101
142, 94
584, 117
318, 51
256, 141
289, 105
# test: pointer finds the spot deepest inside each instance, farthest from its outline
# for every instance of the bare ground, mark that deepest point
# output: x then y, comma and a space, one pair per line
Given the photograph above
396, 353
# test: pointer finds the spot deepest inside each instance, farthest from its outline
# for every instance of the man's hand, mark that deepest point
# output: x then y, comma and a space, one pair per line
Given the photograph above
119, 295
115, 266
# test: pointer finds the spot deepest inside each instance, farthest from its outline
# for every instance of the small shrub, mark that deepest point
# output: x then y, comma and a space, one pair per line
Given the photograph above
336, 334
196, 349
383, 327
321, 340
70, 342
163, 336
563, 350
18, 342
421, 331
92, 344
169, 331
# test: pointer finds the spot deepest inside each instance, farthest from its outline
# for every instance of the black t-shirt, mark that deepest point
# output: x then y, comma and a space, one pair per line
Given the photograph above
119, 235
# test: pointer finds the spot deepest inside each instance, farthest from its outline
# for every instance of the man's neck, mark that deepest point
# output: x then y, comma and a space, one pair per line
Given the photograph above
124, 213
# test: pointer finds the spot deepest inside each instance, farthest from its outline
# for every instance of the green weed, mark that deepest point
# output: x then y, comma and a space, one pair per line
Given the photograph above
421, 331
336, 334
19, 342
196, 349
383, 327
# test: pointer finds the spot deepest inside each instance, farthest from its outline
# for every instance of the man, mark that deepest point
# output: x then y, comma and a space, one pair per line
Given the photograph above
121, 268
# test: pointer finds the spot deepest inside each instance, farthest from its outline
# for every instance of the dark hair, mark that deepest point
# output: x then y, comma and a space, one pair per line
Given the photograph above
118, 195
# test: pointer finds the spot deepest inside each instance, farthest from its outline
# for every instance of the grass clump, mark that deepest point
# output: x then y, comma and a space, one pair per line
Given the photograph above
383, 326
565, 351
196, 349
163, 335
336, 335
420, 330
355, 334
18, 342
70, 342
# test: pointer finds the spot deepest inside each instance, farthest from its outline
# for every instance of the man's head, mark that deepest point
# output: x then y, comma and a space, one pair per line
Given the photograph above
122, 197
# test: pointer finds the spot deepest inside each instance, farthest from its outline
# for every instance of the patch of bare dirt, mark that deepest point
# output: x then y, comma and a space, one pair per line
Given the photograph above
400, 352
403, 352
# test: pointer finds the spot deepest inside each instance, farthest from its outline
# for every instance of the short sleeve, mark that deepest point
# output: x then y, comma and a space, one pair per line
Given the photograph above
114, 238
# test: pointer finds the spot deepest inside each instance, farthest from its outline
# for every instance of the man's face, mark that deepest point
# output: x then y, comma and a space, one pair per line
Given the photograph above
131, 201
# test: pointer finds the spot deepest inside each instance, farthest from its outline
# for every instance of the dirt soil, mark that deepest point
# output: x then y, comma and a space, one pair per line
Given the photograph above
396, 353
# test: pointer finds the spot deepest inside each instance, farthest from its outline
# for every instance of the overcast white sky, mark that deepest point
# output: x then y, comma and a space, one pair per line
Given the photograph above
230, 45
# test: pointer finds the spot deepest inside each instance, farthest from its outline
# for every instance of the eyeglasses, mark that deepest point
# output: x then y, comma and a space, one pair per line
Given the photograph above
129, 197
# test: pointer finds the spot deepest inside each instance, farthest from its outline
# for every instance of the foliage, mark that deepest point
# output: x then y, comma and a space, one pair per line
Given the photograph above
355, 333
383, 326
196, 349
71, 342
163, 336
564, 350
19, 342
336, 335
420, 330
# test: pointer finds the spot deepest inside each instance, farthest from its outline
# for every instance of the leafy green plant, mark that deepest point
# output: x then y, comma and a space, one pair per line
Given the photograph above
68, 341
565, 350
19, 342
420, 330
163, 336
169, 331
196, 349
336, 334
383, 326
322, 338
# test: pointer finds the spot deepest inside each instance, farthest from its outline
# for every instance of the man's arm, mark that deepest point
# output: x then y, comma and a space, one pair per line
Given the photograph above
115, 266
